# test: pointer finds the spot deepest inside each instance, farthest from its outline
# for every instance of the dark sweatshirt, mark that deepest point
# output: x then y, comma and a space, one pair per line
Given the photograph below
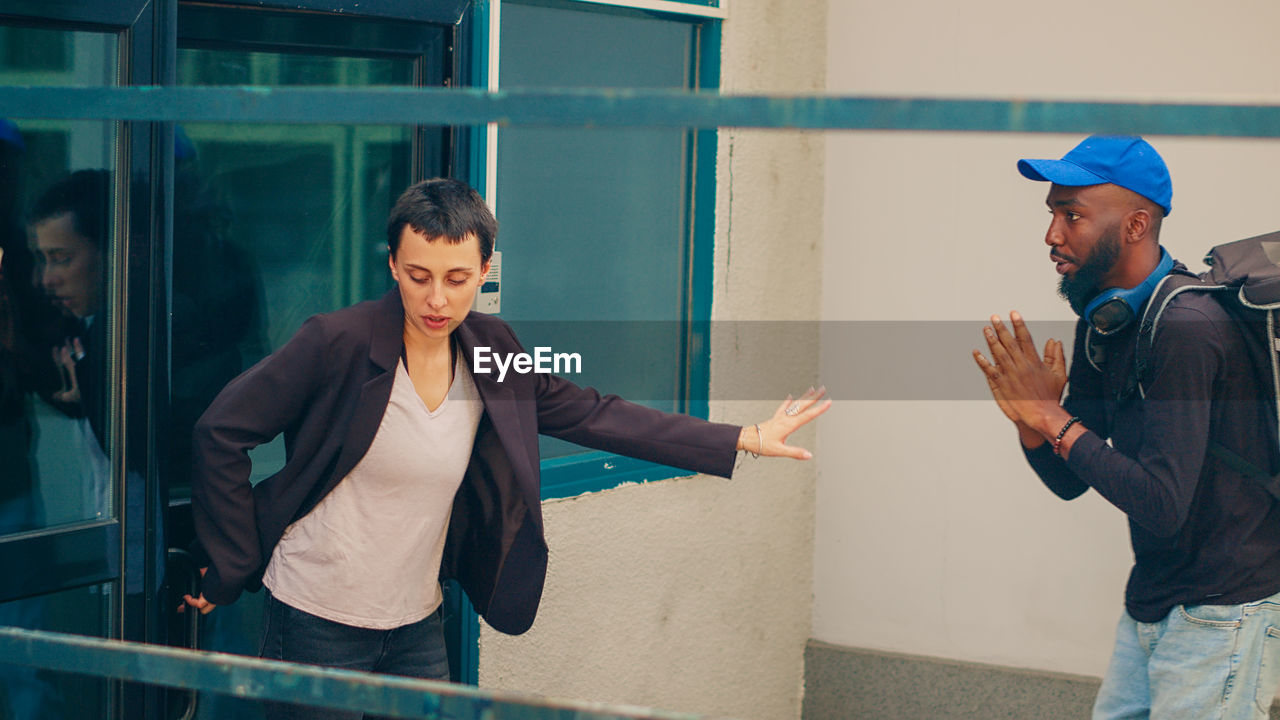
1201, 532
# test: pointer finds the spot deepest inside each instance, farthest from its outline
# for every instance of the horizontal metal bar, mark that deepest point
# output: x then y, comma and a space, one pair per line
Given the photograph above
632, 108
45, 560
287, 682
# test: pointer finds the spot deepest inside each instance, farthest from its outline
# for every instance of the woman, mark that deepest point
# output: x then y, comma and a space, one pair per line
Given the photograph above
404, 466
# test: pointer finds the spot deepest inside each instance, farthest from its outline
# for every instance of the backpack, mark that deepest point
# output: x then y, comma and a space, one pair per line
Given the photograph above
1244, 276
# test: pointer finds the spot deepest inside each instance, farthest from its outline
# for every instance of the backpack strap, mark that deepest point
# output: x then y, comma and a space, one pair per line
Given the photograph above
1176, 282
1168, 287
1270, 483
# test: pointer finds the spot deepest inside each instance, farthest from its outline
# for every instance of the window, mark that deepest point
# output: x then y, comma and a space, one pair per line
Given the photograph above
605, 233
276, 223
61, 503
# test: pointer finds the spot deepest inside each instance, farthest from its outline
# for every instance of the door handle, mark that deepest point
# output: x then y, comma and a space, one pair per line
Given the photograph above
183, 578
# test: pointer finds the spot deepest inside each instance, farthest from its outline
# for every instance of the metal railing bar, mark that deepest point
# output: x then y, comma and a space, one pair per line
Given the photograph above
255, 678
634, 108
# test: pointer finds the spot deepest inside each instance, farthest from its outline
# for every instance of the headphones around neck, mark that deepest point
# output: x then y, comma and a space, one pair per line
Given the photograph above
1115, 308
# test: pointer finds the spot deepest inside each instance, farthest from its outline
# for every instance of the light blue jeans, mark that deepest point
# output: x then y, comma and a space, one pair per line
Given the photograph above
1201, 662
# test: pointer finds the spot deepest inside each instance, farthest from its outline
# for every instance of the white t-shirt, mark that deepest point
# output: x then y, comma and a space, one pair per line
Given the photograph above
369, 554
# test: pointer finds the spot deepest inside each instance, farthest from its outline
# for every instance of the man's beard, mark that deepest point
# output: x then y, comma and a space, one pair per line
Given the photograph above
1082, 286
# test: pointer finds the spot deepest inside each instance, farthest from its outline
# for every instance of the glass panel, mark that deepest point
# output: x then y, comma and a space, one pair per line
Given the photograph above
56, 241
26, 692
273, 224
594, 222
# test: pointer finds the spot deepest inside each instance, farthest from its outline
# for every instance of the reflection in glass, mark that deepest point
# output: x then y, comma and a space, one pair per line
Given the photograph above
26, 692
217, 320
273, 224
206, 66
68, 228
55, 244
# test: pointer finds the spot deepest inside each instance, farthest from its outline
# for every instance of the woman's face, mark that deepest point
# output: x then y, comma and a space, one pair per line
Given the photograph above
70, 266
438, 281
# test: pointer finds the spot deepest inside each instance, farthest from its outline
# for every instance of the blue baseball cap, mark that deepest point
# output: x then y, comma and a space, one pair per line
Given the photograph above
1123, 160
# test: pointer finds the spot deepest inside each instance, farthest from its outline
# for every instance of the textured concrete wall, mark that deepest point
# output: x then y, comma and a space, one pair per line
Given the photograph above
933, 537
694, 594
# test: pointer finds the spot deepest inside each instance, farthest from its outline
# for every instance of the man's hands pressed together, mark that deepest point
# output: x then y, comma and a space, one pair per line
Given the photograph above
1027, 385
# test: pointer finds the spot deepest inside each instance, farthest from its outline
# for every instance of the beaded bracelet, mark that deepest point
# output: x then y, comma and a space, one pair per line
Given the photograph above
1057, 442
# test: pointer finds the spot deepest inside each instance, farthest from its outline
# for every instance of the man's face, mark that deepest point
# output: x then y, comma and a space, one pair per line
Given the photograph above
1084, 238
438, 281
70, 266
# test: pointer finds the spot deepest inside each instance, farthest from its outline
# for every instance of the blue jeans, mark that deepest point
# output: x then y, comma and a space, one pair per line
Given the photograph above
1200, 662
414, 650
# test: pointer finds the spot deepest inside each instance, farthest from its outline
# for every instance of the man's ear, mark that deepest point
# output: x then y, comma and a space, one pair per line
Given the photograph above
1137, 225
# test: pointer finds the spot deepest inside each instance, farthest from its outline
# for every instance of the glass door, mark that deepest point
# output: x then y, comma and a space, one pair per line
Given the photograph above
143, 265
74, 480
275, 223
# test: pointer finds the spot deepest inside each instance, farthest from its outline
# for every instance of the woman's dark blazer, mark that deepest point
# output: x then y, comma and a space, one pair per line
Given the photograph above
326, 391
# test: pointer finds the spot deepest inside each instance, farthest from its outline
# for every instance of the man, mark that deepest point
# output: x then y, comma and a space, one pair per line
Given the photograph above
1200, 637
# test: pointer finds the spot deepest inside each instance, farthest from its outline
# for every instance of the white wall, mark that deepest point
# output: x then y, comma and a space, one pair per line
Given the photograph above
694, 594
933, 537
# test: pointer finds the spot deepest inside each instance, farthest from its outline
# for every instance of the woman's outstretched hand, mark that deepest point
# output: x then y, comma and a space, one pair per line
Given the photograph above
770, 437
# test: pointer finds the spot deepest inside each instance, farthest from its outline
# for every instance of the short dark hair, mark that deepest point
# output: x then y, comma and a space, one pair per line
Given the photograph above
85, 194
443, 208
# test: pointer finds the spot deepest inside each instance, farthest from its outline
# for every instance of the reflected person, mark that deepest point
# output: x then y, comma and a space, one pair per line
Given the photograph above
217, 318
69, 227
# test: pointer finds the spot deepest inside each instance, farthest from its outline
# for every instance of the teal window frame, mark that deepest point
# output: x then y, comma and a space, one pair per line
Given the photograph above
592, 471
705, 8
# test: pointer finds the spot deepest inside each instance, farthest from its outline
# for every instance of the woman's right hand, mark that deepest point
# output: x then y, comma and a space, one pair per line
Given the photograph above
204, 606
